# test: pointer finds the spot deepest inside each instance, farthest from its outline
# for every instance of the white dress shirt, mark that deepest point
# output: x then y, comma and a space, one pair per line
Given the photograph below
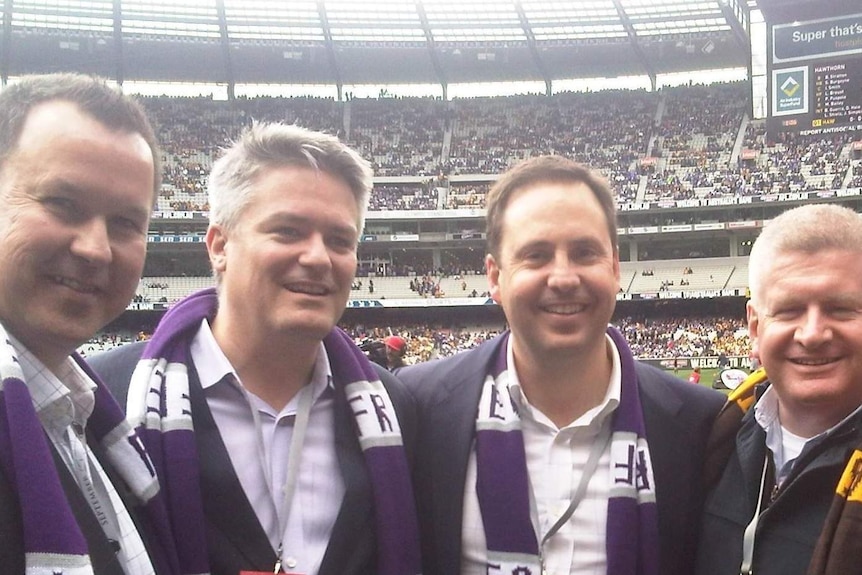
320, 487
555, 460
64, 402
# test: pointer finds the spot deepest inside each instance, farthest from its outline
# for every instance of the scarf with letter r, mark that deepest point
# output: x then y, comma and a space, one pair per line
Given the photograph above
53, 541
836, 552
503, 485
158, 403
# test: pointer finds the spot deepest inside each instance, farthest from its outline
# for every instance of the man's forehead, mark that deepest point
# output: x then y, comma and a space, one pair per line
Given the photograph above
44, 115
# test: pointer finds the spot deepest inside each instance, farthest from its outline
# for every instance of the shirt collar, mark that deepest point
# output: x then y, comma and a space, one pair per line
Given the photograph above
597, 414
766, 415
59, 399
212, 364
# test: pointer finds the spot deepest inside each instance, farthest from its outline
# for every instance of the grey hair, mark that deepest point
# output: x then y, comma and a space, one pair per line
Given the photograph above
807, 229
267, 145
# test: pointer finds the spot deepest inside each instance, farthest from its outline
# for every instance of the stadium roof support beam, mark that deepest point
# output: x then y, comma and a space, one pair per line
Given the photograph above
330, 49
7, 42
432, 49
636, 47
225, 50
534, 50
119, 61
736, 14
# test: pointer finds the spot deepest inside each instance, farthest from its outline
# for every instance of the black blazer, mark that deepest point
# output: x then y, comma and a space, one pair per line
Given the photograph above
235, 539
678, 417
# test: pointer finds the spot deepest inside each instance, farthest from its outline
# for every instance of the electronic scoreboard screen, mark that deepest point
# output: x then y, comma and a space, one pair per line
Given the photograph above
815, 79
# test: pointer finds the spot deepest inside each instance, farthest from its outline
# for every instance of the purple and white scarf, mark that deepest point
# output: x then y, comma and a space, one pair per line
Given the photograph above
53, 541
158, 405
503, 486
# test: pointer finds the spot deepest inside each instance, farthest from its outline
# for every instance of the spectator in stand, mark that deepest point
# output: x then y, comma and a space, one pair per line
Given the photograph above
396, 347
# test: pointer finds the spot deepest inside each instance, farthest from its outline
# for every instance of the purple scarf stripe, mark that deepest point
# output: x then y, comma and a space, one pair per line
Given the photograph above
183, 317
498, 488
629, 414
175, 458
400, 534
500, 479
49, 525
649, 541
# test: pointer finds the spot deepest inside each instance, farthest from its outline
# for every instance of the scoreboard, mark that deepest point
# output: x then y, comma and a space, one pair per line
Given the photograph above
815, 76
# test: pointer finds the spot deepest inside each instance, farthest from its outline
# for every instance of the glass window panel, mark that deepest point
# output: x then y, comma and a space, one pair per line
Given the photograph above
78, 15
186, 18
294, 21
351, 21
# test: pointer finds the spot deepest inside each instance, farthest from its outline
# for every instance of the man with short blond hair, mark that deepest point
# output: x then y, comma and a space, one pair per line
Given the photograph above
781, 504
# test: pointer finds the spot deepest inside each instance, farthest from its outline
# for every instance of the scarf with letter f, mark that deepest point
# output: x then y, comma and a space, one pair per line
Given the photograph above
837, 549
53, 541
159, 405
503, 485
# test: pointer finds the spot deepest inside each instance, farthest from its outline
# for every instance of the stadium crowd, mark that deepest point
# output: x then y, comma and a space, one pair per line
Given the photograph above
650, 146
650, 338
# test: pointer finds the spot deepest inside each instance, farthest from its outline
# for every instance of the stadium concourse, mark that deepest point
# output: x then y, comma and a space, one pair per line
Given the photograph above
694, 179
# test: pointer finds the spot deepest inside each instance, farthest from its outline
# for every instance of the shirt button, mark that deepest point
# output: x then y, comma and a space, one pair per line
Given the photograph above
290, 562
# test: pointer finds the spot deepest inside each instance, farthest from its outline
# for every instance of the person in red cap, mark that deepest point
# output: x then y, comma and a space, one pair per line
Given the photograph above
396, 346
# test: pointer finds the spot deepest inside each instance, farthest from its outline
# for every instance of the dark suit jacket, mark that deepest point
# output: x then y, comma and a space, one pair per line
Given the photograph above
678, 417
235, 539
102, 555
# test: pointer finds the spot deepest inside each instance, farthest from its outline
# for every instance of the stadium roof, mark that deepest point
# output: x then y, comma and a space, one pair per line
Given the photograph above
363, 41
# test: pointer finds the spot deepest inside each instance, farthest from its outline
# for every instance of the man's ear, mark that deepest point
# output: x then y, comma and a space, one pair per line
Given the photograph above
216, 241
492, 270
753, 317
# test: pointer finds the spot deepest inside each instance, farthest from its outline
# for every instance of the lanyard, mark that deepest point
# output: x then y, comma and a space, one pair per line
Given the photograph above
300, 426
751, 529
596, 451
92, 487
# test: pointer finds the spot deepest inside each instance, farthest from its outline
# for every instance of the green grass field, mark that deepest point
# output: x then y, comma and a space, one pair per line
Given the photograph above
707, 375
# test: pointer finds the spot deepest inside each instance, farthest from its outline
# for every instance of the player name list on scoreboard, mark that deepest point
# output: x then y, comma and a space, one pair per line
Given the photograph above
837, 92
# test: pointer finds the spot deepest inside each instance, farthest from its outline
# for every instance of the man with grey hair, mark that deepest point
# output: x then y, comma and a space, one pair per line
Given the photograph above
283, 444
789, 498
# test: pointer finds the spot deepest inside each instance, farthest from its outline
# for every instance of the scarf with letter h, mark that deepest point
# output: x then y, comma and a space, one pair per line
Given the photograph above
836, 552
503, 484
158, 405
53, 541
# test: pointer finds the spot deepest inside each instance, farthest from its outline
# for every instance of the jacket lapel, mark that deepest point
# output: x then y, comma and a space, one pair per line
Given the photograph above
225, 505
452, 419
